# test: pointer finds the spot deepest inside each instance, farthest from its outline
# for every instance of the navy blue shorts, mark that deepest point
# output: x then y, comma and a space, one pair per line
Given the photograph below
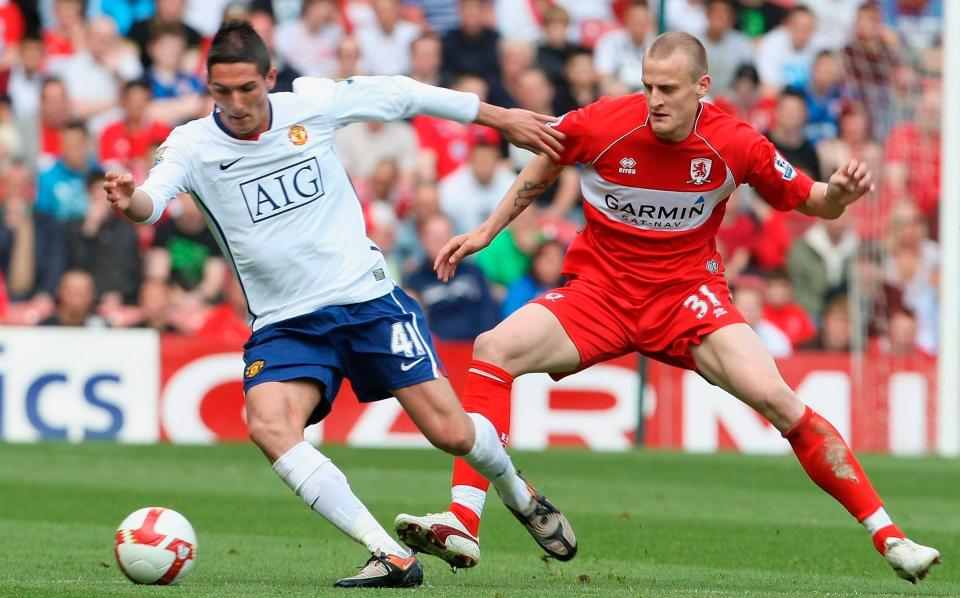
380, 345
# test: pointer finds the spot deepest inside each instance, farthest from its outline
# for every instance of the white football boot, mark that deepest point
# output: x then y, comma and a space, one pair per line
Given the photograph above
440, 535
910, 560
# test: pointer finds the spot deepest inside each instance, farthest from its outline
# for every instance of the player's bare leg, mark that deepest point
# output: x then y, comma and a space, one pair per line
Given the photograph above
531, 339
277, 413
734, 359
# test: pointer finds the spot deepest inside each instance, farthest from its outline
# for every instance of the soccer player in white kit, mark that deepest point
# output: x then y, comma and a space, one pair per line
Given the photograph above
322, 306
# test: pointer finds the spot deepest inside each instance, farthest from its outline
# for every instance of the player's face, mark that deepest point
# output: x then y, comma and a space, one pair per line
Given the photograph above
673, 95
240, 92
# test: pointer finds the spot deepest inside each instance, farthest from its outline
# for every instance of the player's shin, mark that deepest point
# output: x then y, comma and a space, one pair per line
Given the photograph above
490, 459
831, 465
488, 394
325, 489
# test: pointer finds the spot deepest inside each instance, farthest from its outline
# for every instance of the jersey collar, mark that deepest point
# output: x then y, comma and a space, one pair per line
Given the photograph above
222, 127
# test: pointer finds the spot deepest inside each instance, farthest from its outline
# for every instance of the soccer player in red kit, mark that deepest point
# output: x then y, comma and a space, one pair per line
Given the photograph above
645, 276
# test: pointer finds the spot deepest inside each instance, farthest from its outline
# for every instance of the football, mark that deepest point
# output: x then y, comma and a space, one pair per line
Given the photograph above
155, 545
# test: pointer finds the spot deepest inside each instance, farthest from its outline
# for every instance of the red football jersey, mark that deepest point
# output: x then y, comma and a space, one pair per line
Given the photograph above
653, 207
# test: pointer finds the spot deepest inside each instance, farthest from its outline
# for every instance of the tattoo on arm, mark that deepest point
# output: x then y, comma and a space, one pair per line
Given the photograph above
526, 194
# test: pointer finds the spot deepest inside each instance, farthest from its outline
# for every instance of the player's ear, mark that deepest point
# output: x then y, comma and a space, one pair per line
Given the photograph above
271, 78
703, 86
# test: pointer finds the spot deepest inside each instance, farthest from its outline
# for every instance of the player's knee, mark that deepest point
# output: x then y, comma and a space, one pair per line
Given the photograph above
268, 433
781, 406
450, 437
491, 347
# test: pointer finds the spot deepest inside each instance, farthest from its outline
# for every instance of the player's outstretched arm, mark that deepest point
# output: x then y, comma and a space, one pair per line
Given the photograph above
123, 195
848, 184
532, 181
523, 128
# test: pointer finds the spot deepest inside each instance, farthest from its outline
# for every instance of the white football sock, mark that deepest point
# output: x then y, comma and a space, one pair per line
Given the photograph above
323, 486
491, 461
877, 521
470, 497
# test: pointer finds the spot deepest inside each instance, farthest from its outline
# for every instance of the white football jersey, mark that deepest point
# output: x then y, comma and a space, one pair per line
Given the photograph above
281, 207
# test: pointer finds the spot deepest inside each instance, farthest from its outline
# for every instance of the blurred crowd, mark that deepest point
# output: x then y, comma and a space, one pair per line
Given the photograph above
93, 85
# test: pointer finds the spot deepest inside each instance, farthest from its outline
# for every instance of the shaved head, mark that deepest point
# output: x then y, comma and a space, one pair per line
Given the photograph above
679, 42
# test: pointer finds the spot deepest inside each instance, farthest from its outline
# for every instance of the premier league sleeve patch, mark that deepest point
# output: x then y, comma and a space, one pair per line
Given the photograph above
786, 170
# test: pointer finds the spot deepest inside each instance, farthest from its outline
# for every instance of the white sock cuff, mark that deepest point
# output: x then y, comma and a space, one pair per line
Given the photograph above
469, 496
483, 432
297, 464
877, 521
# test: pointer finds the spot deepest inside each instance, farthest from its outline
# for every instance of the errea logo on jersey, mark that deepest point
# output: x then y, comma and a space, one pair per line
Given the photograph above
627, 166
283, 190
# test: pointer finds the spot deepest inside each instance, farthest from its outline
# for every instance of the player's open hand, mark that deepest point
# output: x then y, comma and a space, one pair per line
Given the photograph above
530, 130
848, 184
119, 188
458, 248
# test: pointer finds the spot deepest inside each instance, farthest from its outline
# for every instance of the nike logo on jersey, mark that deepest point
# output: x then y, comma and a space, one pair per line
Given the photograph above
226, 165
406, 366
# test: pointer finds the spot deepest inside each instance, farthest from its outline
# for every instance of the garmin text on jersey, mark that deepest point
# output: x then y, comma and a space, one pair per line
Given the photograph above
226, 165
283, 190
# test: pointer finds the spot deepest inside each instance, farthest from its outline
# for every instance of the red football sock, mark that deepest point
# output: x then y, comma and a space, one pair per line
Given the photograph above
487, 393
831, 465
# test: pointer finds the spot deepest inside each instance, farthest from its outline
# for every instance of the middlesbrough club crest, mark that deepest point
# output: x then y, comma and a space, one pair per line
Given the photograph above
700, 170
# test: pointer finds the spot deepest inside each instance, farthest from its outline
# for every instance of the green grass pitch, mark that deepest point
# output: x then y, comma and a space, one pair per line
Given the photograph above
649, 524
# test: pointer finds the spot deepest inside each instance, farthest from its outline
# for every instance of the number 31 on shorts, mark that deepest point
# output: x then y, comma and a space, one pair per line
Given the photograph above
405, 341
699, 306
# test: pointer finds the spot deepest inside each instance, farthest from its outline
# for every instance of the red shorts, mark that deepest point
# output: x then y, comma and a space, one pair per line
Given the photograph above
663, 325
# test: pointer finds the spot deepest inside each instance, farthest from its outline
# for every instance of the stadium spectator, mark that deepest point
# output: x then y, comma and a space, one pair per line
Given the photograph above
819, 262
309, 43
65, 33
545, 273
789, 136
54, 115
785, 55
12, 144
748, 298
26, 77
912, 158
385, 41
76, 297
835, 20
441, 16
901, 336
555, 49
824, 98
470, 193
578, 85
348, 58
918, 23
780, 309
727, 48
12, 29
177, 95
835, 333
424, 203
618, 54
507, 258
169, 13
686, 15
185, 254
519, 19
532, 91
461, 308
735, 234
516, 57
227, 321
263, 23
912, 263
755, 18
31, 243
876, 298
445, 145
155, 306
870, 59
105, 246
62, 188
748, 101
91, 74
362, 146
426, 58
472, 48
124, 143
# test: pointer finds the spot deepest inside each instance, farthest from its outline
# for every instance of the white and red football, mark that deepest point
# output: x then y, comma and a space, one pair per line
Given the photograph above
155, 545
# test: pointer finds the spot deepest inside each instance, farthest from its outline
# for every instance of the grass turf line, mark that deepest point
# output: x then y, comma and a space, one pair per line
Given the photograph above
649, 523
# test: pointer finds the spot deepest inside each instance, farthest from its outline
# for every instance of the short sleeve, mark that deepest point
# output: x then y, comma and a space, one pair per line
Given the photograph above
778, 182
169, 176
576, 146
